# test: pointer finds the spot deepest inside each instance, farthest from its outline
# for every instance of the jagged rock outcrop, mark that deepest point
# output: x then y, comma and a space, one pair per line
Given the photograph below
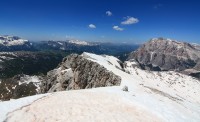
77, 72
165, 54
74, 72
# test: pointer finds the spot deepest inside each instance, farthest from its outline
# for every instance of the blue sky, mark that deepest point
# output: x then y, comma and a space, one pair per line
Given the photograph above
132, 21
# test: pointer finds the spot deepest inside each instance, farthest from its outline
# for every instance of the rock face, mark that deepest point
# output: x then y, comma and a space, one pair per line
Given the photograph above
74, 72
77, 72
165, 54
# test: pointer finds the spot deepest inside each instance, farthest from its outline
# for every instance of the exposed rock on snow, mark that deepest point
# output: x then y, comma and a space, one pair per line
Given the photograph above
19, 86
168, 83
125, 88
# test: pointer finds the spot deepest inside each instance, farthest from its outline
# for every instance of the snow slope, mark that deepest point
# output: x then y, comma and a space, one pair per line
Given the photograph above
9, 106
169, 100
83, 105
151, 96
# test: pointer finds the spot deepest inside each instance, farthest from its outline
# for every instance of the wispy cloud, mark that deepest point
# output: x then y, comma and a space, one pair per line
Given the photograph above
108, 13
117, 28
129, 20
92, 26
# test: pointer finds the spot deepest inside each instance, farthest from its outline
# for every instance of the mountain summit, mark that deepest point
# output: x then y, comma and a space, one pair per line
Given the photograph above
166, 54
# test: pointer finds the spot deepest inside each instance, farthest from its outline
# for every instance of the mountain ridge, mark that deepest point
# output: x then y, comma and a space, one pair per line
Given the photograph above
165, 54
147, 91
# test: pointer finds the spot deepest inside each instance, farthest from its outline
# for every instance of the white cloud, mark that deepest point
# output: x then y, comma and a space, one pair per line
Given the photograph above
108, 13
129, 21
91, 26
117, 28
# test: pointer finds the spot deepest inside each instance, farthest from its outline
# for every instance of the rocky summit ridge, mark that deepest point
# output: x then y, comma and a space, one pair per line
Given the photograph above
77, 72
166, 54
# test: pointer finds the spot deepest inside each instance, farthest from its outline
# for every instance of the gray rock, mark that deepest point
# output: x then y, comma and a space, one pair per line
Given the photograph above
77, 72
165, 54
125, 88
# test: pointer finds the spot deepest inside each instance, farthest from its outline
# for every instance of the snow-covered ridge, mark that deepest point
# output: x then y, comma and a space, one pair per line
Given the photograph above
151, 96
171, 91
11, 40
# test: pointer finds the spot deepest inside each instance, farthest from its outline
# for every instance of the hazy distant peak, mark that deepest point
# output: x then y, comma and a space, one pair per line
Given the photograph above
78, 42
12, 40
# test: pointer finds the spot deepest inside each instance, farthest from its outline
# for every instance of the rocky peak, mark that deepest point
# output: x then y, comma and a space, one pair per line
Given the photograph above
167, 54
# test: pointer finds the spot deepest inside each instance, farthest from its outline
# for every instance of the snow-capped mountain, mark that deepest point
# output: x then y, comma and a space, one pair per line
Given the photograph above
142, 95
12, 40
14, 43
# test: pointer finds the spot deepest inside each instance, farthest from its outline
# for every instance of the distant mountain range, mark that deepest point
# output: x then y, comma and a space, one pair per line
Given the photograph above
14, 43
19, 56
83, 46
